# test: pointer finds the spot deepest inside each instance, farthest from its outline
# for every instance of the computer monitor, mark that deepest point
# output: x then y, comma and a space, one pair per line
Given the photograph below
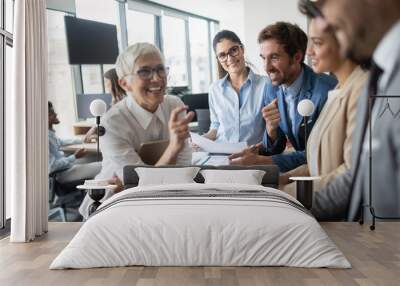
90, 42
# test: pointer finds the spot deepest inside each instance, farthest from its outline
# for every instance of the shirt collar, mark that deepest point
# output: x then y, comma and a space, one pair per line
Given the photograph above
143, 116
387, 52
295, 87
250, 77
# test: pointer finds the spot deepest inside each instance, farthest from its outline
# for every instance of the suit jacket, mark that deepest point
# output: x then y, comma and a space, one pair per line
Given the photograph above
331, 139
337, 199
315, 87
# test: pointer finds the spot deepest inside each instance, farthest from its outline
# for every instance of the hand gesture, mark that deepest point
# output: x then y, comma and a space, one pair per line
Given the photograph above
80, 153
178, 128
272, 118
246, 157
116, 181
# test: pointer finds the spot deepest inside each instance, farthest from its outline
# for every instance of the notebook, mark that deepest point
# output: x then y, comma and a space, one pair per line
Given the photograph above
150, 152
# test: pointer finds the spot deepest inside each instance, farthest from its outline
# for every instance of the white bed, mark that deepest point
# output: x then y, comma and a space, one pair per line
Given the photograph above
223, 225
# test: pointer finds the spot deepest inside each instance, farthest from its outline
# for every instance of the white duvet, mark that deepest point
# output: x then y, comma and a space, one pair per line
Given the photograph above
188, 231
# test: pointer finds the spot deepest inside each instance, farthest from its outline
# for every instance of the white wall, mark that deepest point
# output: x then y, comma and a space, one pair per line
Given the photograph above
257, 14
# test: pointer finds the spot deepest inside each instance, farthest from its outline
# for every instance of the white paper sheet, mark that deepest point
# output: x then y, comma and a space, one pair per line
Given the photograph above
217, 147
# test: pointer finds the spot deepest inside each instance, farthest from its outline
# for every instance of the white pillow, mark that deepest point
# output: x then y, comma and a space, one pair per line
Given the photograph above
248, 177
166, 176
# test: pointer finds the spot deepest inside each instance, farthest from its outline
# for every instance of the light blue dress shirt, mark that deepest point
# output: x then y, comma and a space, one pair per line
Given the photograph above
291, 98
57, 159
238, 118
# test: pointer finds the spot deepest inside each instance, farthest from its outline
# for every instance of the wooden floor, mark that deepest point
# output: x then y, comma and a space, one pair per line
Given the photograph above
375, 257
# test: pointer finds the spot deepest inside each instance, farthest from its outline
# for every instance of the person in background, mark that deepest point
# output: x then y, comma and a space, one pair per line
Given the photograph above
117, 93
368, 32
145, 114
330, 143
236, 99
67, 167
282, 49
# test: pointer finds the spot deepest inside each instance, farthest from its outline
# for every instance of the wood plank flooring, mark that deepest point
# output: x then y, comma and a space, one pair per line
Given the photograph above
374, 255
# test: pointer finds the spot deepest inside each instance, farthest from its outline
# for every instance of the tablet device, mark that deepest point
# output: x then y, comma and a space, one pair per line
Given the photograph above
150, 152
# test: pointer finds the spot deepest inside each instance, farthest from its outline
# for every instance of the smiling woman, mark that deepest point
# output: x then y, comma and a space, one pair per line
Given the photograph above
235, 100
146, 114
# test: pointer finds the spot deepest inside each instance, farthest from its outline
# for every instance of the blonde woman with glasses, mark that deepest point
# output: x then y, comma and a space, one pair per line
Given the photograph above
236, 99
145, 114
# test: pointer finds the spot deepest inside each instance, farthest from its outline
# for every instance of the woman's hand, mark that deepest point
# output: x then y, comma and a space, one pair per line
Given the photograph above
116, 181
178, 128
90, 135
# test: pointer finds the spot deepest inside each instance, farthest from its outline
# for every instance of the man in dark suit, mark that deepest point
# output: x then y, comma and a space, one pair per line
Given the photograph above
368, 30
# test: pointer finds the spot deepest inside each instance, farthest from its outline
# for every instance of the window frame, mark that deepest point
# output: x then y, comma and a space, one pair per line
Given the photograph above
159, 11
6, 39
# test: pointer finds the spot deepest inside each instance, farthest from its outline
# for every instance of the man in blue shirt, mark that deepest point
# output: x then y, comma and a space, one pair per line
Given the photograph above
282, 49
67, 167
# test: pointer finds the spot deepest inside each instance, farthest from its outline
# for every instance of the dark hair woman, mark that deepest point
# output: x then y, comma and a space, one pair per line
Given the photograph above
236, 99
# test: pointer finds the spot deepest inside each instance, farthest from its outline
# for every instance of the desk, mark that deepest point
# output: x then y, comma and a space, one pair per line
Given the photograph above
204, 158
82, 127
90, 147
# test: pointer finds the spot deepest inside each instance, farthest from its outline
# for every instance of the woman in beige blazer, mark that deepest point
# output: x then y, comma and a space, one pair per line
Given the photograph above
329, 144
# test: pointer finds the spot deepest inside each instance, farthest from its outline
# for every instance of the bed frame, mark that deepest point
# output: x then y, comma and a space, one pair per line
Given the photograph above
270, 179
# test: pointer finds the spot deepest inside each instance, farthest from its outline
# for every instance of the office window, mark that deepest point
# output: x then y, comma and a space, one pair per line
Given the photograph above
184, 39
6, 64
91, 76
174, 46
92, 79
60, 81
105, 11
8, 82
199, 51
214, 28
140, 26
9, 15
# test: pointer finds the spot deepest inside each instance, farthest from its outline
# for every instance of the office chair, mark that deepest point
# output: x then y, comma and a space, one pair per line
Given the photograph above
196, 101
63, 197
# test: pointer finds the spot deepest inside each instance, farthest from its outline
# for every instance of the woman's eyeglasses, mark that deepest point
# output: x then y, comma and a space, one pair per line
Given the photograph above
147, 73
233, 52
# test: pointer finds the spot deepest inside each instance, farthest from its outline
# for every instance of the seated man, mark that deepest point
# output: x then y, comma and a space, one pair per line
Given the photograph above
67, 167
283, 47
145, 114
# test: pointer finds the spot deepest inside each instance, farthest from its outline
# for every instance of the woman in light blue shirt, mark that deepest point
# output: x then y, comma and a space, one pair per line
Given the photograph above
235, 100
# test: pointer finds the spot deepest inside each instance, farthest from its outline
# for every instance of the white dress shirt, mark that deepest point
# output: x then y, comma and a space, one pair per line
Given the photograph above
128, 125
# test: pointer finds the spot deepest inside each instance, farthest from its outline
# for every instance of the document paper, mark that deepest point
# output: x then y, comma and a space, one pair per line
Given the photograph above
217, 147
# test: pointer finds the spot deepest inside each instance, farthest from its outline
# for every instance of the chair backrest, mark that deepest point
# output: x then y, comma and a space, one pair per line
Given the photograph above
270, 179
203, 119
196, 101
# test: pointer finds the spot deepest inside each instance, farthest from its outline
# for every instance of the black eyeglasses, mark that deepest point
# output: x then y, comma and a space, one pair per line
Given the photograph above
233, 52
147, 73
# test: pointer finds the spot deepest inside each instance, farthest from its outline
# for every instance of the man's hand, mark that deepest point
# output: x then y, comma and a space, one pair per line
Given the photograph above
248, 156
80, 153
178, 128
272, 118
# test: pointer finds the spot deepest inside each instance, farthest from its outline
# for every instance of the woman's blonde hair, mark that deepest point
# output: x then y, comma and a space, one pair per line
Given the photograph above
126, 60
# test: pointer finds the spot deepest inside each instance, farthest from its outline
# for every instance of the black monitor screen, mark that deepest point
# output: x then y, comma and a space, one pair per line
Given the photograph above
91, 42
